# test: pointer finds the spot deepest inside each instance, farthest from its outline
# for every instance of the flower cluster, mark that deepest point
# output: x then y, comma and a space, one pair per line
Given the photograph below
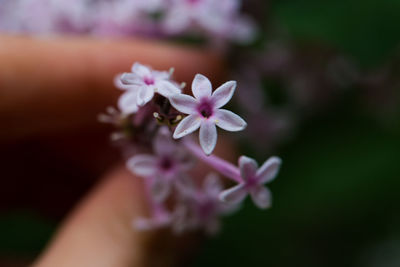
158, 118
219, 20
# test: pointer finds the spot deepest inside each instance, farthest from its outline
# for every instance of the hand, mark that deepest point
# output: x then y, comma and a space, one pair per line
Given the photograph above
51, 90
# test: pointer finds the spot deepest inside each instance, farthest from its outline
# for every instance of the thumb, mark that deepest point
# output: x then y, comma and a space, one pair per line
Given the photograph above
99, 232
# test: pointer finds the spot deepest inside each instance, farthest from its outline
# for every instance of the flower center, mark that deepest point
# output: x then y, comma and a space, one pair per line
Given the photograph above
148, 80
166, 164
251, 182
205, 109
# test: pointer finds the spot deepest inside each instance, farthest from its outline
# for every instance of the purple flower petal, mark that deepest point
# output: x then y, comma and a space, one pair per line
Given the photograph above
167, 89
201, 86
208, 136
261, 197
184, 103
142, 165
160, 189
188, 125
248, 167
212, 185
229, 121
234, 195
127, 102
176, 21
223, 94
268, 171
163, 143
184, 184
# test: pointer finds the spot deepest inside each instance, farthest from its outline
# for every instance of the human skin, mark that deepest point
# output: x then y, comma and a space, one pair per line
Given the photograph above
55, 86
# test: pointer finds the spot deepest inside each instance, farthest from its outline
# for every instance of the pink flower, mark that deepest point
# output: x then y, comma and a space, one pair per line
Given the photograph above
208, 206
204, 110
201, 207
159, 219
163, 168
217, 19
142, 83
253, 182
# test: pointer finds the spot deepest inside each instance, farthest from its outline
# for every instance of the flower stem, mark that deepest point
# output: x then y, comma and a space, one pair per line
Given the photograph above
224, 167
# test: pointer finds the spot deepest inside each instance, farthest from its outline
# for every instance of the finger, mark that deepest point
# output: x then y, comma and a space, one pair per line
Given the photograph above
63, 82
100, 233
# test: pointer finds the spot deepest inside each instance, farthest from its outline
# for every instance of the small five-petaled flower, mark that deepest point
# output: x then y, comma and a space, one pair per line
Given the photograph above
204, 112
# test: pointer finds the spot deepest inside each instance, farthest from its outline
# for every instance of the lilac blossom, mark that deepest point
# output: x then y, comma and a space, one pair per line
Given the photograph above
208, 206
141, 84
218, 19
154, 18
164, 167
253, 182
147, 123
200, 208
160, 218
204, 112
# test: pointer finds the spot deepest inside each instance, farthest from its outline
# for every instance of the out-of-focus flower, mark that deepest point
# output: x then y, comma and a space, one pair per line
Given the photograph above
146, 121
156, 18
218, 19
141, 84
254, 179
205, 112
200, 208
160, 218
164, 167
208, 206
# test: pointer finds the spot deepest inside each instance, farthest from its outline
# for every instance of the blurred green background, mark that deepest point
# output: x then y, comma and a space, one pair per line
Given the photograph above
336, 199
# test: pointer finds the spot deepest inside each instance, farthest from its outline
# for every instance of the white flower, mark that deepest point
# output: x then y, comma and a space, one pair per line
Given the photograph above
142, 83
205, 112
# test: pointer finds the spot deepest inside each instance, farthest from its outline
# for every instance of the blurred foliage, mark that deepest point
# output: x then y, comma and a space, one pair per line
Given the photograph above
365, 29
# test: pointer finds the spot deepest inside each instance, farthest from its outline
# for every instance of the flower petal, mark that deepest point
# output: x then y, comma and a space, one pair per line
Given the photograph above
185, 186
163, 143
261, 197
234, 195
188, 125
201, 86
229, 121
184, 103
145, 94
142, 165
268, 171
131, 78
248, 167
208, 136
160, 189
223, 94
118, 83
212, 185
127, 102
176, 21
141, 69
167, 89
